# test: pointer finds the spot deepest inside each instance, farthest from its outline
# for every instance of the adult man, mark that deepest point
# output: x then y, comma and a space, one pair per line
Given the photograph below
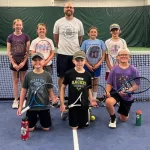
68, 32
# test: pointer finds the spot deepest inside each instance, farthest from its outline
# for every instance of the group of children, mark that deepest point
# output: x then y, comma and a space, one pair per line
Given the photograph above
18, 47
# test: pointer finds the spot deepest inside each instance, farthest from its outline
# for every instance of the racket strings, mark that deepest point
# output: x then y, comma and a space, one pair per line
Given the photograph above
142, 83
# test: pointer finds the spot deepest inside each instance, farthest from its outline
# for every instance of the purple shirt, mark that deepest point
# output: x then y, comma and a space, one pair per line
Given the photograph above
18, 46
118, 76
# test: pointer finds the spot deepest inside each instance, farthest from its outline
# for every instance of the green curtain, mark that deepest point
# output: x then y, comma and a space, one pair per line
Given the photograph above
134, 21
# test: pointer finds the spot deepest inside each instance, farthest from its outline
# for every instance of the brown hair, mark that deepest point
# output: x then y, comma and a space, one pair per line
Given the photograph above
41, 24
92, 28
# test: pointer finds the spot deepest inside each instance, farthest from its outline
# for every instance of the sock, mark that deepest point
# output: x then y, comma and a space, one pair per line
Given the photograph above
113, 117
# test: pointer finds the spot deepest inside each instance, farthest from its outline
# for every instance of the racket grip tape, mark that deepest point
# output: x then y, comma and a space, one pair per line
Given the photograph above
24, 110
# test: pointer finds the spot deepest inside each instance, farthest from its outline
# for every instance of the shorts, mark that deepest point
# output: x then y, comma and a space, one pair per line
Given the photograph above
48, 69
44, 116
78, 117
125, 106
24, 68
64, 63
106, 75
96, 72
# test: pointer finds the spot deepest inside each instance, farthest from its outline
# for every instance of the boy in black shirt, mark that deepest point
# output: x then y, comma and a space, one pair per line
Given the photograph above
77, 80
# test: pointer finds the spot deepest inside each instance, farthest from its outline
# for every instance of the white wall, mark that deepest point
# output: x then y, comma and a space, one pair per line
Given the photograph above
147, 2
77, 3
102, 3
26, 3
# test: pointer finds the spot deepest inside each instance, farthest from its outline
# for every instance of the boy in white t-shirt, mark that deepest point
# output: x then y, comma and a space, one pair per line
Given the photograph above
113, 45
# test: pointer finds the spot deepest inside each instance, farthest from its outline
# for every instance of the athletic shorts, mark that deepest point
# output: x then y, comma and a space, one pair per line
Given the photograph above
48, 69
44, 116
78, 117
125, 106
64, 63
24, 68
96, 72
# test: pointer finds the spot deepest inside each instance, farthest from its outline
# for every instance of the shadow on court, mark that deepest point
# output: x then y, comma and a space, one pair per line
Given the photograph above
127, 136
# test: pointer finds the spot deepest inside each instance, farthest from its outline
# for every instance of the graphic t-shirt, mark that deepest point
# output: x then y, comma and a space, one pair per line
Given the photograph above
32, 81
18, 46
43, 46
77, 82
97, 45
113, 47
69, 31
118, 76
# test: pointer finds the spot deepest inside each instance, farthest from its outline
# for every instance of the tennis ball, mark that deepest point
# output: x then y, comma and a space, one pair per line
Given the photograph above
93, 118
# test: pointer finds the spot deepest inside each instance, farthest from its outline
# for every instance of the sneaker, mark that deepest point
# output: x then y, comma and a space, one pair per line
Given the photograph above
112, 124
64, 115
15, 104
24, 104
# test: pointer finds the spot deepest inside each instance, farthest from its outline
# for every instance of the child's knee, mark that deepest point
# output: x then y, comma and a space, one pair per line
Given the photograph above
123, 118
31, 129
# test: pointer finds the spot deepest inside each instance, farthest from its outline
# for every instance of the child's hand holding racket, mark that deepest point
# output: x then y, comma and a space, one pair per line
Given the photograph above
62, 108
19, 111
93, 102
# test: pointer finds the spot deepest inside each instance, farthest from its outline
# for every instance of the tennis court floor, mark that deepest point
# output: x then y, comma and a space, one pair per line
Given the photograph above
127, 136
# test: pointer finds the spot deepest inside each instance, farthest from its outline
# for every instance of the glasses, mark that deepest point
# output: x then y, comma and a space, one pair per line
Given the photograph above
123, 55
69, 7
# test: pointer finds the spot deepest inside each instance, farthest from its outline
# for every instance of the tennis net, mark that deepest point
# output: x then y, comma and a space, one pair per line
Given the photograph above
140, 60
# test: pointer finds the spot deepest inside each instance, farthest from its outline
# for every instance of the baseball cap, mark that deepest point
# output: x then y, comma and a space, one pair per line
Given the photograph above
38, 55
79, 54
114, 26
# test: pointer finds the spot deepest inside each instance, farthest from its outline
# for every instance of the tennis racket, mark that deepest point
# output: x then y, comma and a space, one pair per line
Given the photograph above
93, 55
38, 99
43, 46
112, 59
137, 84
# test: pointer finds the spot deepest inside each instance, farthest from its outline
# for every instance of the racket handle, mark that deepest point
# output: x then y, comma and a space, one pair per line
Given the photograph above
24, 110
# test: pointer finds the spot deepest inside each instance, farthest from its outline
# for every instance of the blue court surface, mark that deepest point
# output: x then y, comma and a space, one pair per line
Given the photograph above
127, 136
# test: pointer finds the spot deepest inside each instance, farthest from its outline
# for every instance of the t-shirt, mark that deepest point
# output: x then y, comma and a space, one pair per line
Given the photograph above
89, 43
42, 48
118, 76
113, 47
18, 46
77, 82
69, 31
32, 81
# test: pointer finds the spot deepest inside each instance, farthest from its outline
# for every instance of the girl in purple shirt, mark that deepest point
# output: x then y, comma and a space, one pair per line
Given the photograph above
17, 50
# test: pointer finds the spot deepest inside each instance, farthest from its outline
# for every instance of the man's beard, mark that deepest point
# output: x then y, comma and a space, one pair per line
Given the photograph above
68, 13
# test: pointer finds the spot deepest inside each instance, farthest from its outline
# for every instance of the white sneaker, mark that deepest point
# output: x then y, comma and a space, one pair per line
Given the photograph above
24, 104
112, 124
15, 104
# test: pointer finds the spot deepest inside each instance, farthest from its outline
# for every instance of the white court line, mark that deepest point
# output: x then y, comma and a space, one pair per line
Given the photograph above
75, 139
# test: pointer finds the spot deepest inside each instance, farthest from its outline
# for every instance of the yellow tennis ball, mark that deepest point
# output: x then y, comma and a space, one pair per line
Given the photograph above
93, 118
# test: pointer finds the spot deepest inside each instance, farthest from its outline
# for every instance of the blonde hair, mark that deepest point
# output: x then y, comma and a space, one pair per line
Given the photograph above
42, 24
92, 28
17, 20
123, 49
